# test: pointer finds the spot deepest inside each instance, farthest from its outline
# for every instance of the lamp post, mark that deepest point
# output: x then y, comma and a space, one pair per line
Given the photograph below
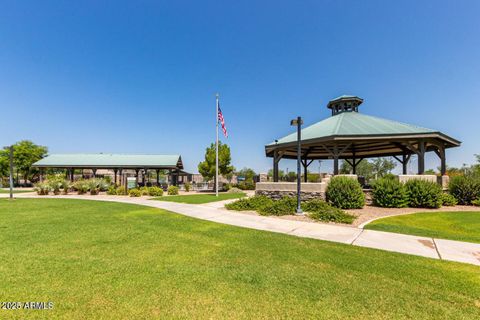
298, 122
10, 149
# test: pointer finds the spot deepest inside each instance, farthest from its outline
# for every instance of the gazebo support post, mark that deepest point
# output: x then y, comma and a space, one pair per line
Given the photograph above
276, 159
306, 164
443, 164
421, 157
136, 177
72, 174
115, 175
404, 161
94, 172
144, 173
120, 173
158, 176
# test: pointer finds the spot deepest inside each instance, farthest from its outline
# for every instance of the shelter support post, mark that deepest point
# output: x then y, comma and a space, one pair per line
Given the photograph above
277, 156
72, 173
404, 161
158, 176
443, 163
136, 177
94, 172
421, 157
115, 175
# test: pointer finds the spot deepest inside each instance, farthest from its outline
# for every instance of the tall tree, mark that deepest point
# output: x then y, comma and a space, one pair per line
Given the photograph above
25, 154
207, 167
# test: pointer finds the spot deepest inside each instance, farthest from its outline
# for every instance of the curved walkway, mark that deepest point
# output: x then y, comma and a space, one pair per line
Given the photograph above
421, 246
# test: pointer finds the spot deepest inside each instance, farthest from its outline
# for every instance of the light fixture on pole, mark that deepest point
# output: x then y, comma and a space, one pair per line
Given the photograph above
298, 122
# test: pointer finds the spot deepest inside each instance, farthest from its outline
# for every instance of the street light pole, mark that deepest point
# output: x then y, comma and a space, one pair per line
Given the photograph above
11, 172
298, 122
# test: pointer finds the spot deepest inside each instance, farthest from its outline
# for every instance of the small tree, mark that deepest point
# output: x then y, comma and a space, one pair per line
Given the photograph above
25, 154
207, 167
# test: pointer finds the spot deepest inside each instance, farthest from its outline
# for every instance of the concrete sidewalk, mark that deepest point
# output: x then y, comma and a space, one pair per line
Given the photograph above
421, 246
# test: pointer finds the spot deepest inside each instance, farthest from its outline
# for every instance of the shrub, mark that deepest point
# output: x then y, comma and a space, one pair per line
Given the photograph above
134, 193
81, 186
322, 211
226, 186
155, 192
246, 185
66, 186
112, 191
234, 190
448, 200
55, 186
172, 190
465, 188
93, 186
247, 204
121, 191
389, 193
476, 202
144, 191
187, 186
345, 193
103, 184
282, 207
42, 188
424, 194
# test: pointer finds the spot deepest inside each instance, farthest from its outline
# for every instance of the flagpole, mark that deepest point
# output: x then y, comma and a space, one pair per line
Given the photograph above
216, 148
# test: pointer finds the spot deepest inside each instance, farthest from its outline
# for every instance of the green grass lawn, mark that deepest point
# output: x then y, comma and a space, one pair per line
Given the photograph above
461, 226
117, 261
201, 198
3, 190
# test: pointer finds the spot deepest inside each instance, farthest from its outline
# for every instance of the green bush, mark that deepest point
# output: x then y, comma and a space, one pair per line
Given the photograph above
248, 204
42, 188
187, 186
424, 194
103, 184
93, 186
476, 202
282, 207
234, 190
246, 185
121, 191
81, 186
55, 185
345, 193
144, 191
66, 186
448, 200
112, 191
172, 190
134, 193
322, 211
465, 188
155, 192
389, 193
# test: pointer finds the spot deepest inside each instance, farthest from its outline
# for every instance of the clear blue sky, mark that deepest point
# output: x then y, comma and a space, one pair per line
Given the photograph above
141, 76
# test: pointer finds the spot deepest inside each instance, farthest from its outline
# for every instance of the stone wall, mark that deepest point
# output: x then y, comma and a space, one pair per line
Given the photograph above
277, 190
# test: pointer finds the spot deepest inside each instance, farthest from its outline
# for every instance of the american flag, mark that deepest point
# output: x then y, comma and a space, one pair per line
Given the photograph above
222, 122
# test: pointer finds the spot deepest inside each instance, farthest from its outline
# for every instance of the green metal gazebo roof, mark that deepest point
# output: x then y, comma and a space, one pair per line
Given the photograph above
354, 123
105, 161
357, 134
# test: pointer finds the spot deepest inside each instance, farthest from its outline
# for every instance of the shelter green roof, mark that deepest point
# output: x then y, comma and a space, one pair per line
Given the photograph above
354, 124
107, 160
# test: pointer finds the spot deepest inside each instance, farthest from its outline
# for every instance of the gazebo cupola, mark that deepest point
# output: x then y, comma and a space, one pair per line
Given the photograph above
344, 104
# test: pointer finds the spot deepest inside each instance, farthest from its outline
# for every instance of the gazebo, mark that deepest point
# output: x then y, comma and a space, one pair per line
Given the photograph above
353, 136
